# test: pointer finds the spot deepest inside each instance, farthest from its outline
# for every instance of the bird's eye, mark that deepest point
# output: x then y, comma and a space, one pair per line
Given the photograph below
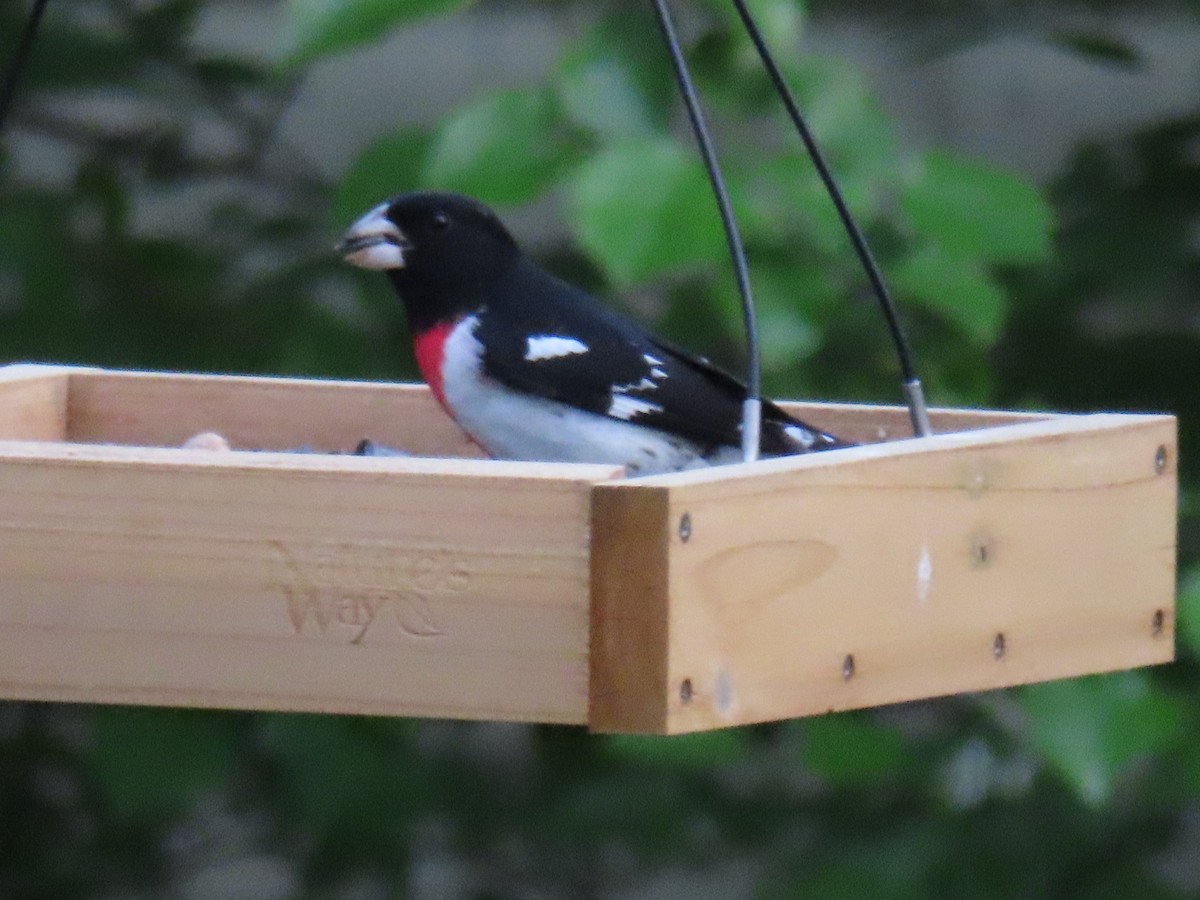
441, 221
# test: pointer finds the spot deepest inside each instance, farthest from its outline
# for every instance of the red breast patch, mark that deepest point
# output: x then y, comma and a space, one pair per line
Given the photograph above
429, 348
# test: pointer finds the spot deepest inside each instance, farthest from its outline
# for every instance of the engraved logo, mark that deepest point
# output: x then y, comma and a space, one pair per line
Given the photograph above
348, 591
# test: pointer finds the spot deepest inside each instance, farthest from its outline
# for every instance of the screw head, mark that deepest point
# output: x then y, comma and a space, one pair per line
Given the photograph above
1158, 623
848, 667
685, 527
999, 645
1160, 459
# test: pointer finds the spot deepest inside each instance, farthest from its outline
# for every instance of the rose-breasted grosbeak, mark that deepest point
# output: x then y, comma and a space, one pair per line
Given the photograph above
535, 369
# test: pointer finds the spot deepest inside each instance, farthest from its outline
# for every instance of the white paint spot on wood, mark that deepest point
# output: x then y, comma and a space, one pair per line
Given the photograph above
723, 700
206, 440
924, 575
552, 346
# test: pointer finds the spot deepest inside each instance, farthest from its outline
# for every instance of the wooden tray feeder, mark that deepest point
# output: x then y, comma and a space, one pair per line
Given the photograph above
1019, 548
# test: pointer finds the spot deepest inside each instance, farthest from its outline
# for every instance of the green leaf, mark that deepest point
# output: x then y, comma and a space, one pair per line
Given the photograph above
68, 55
100, 194
782, 199
783, 203
153, 763
788, 299
1100, 48
849, 750
1188, 622
643, 208
161, 29
780, 21
505, 148
975, 210
33, 232
337, 768
616, 81
785, 336
1092, 729
844, 116
894, 865
322, 28
685, 752
225, 72
389, 166
955, 288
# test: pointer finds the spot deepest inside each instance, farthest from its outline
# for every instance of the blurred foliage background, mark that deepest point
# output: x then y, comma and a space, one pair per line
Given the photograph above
157, 211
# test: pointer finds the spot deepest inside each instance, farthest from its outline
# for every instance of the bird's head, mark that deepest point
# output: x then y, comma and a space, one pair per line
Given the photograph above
436, 233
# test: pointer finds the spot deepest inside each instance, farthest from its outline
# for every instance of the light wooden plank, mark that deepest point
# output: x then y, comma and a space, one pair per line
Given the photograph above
911, 558
630, 609
33, 402
269, 581
165, 409
878, 464
869, 424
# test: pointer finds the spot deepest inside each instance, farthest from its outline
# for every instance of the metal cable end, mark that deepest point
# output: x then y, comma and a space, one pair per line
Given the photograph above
918, 412
751, 428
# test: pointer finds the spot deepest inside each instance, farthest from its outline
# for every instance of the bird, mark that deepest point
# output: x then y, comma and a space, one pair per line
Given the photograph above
531, 367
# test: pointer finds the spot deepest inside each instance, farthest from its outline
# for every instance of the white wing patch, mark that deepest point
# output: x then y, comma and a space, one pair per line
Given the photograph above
802, 436
626, 407
655, 364
551, 346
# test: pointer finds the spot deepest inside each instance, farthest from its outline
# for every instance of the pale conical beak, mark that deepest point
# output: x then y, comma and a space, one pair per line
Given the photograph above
374, 242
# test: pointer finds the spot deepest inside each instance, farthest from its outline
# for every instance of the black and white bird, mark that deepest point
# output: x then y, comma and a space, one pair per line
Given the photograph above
532, 368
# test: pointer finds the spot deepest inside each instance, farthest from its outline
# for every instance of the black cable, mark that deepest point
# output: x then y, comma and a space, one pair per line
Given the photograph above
912, 384
752, 409
17, 66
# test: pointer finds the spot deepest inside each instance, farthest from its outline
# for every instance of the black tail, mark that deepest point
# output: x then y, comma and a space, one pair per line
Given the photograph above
785, 435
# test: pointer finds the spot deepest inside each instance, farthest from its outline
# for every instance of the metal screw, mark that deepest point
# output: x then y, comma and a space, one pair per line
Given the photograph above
1160, 459
685, 690
685, 527
1157, 623
848, 667
999, 645
982, 553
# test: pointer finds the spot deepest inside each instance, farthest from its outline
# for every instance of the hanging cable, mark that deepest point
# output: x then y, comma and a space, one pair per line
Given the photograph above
752, 406
17, 66
917, 410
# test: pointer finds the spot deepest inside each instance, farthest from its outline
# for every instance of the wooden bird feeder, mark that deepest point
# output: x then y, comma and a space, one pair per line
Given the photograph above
1018, 548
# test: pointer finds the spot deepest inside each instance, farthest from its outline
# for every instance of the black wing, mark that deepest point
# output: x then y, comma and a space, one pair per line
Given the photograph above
548, 338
